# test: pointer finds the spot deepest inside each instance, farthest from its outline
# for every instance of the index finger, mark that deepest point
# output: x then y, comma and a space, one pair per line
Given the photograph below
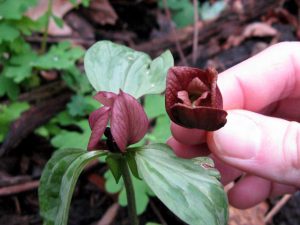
270, 76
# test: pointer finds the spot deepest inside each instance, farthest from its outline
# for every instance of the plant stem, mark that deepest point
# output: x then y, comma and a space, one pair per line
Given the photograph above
129, 193
45, 35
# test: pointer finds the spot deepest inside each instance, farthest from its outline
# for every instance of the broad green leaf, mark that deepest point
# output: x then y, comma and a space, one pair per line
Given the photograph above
141, 191
58, 182
110, 67
154, 105
192, 191
9, 113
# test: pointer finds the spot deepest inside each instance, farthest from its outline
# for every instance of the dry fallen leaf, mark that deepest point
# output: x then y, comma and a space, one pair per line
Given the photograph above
252, 216
59, 9
257, 29
102, 12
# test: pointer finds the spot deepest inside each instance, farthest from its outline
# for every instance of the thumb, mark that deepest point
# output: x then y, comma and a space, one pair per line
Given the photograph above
264, 146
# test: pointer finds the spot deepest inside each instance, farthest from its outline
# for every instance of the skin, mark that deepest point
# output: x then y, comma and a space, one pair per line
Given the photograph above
260, 144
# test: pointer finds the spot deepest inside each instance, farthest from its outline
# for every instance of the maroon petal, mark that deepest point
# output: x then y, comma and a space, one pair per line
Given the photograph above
129, 122
180, 77
205, 118
105, 97
98, 122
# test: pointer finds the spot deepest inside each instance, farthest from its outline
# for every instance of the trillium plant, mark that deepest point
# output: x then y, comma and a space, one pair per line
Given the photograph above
121, 77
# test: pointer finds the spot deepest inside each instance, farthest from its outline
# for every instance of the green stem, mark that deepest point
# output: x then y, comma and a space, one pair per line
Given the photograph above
45, 35
130, 194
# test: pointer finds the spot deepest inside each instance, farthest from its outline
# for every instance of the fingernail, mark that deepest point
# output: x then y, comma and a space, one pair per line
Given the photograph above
239, 138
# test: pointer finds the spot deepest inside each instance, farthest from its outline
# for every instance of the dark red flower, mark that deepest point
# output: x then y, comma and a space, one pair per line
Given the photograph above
128, 120
193, 99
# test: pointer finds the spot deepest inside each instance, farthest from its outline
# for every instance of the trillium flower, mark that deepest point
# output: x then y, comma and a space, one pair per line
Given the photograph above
127, 118
193, 99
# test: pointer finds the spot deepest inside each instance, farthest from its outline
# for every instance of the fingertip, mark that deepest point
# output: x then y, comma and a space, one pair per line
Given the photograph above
188, 136
186, 151
249, 191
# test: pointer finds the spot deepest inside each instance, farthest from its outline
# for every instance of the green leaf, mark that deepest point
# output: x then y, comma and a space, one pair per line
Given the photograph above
77, 81
210, 11
14, 9
184, 16
7, 86
114, 166
60, 56
161, 131
58, 182
8, 114
80, 105
20, 66
8, 32
130, 158
58, 21
154, 105
73, 139
192, 191
110, 67
141, 190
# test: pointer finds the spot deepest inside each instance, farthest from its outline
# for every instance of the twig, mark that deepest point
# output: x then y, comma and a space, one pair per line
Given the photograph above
19, 188
109, 215
196, 32
45, 35
157, 213
178, 46
277, 207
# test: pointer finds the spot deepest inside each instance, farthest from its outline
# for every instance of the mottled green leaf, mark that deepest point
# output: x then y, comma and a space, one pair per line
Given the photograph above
110, 67
187, 187
58, 182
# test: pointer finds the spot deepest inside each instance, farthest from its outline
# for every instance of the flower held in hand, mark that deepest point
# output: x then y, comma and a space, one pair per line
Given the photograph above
193, 99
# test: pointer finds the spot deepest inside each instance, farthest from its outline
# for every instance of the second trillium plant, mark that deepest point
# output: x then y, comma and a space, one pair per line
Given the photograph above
121, 76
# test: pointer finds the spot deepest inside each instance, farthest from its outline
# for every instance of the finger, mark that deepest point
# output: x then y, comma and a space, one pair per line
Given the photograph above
186, 151
264, 146
188, 136
272, 75
281, 189
248, 192
251, 190
228, 173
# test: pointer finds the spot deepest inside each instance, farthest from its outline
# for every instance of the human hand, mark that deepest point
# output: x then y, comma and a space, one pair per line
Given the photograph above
261, 140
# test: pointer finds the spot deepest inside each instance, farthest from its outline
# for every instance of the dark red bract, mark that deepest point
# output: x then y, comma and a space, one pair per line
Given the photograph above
128, 120
193, 99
